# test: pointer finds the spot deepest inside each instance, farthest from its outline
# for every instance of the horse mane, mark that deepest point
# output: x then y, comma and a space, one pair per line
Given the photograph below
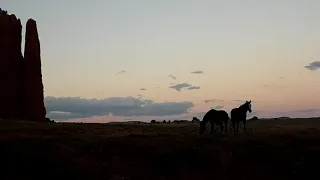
242, 105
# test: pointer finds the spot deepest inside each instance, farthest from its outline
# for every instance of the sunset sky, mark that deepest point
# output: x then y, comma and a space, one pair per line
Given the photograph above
170, 59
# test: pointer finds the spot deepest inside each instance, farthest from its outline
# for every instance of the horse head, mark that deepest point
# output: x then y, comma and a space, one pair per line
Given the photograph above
247, 106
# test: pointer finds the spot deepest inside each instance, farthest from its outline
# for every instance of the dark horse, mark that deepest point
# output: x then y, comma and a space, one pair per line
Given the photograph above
214, 116
240, 114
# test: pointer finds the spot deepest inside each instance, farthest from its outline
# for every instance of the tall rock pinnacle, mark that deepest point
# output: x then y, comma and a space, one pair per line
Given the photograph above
33, 75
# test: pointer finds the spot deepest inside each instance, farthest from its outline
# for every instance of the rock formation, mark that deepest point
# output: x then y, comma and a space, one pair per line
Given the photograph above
33, 76
21, 92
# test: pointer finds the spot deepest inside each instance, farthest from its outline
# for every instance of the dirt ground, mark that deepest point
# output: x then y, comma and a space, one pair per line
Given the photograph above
271, 149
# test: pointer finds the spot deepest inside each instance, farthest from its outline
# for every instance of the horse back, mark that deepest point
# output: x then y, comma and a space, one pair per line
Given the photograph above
233, 112
210, 114
223, 114
237, 113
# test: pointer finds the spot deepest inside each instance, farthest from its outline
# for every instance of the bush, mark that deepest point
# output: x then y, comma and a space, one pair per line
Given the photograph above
50, 120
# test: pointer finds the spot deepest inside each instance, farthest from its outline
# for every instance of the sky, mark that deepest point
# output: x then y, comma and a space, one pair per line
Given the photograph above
115, 60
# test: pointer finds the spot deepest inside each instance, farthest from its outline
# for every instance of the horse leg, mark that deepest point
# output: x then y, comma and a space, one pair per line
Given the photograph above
226, 128
244, 125
221, 127
212, 127
234, 127
237, 130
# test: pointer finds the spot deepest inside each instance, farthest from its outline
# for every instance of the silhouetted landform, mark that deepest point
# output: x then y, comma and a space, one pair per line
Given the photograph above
155, 122
21, 92
180, 121
284, 117
254, 118
213, 116
170, 122
240, 115
129, 122
50, 120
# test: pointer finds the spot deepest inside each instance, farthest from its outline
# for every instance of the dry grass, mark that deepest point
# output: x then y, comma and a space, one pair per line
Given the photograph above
271, 149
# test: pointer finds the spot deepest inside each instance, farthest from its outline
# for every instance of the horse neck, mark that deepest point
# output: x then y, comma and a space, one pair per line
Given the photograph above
205, 121
243, 109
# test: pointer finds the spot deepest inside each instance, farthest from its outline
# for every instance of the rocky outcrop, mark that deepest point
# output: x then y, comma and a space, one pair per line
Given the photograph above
33, 76
11, 64
21, 92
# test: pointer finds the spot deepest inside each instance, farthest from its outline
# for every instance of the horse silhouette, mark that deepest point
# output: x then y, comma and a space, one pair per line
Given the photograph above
240, 114
214, 117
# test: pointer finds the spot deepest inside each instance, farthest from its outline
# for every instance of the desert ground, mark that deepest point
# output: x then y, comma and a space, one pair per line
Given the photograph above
270, 149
